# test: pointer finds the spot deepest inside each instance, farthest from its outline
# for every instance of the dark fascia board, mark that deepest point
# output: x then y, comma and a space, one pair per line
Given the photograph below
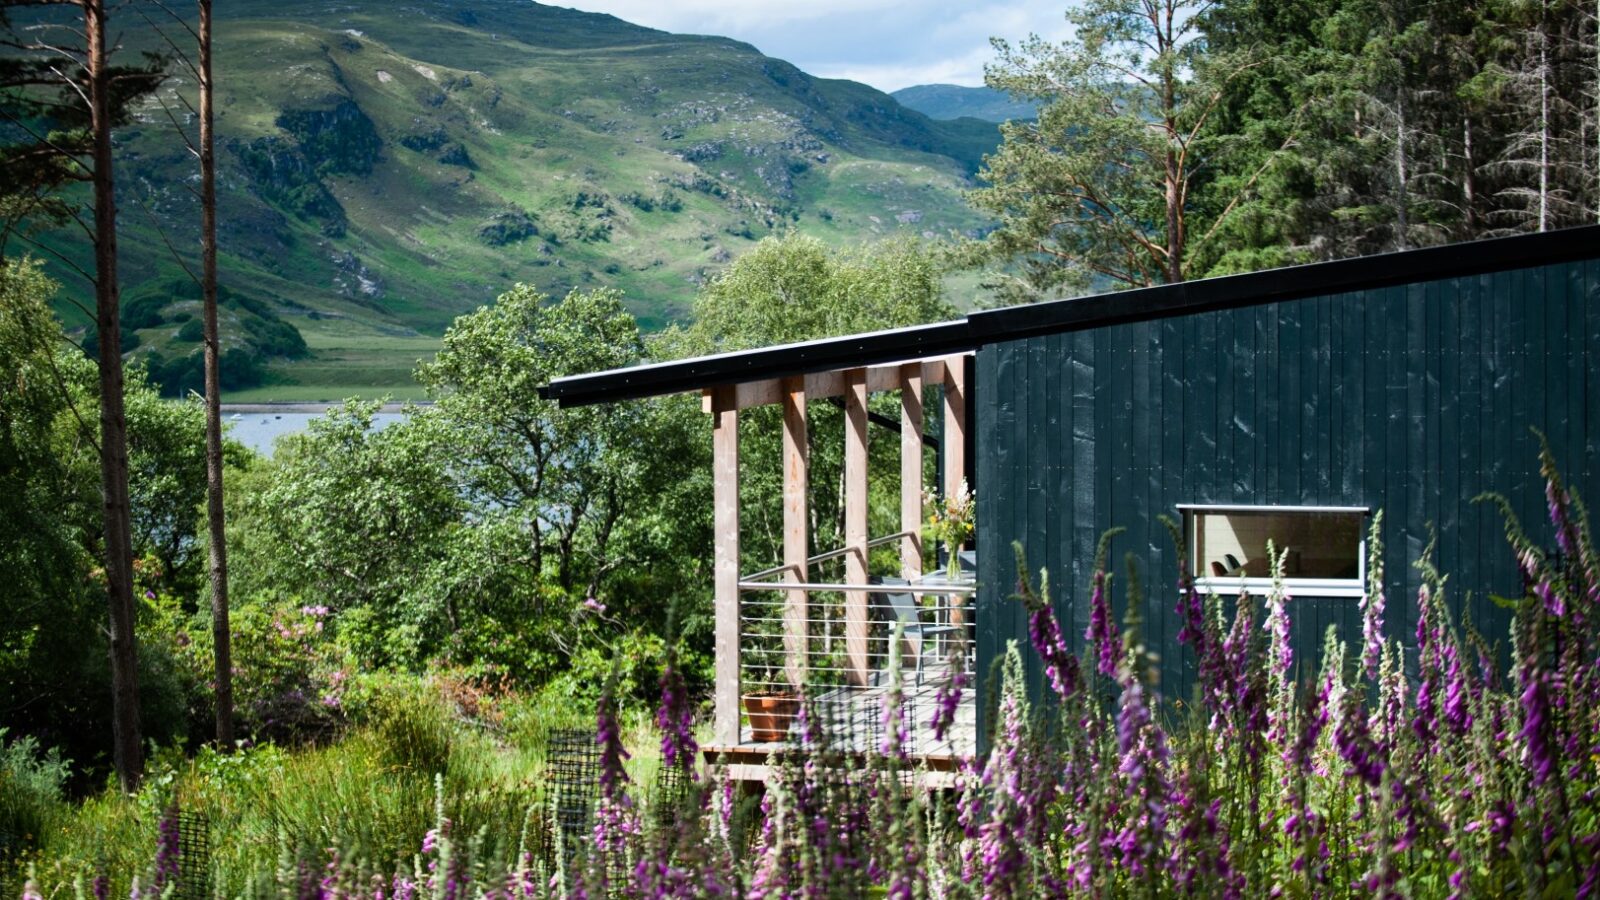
735, 367
1141, 304
1294, 282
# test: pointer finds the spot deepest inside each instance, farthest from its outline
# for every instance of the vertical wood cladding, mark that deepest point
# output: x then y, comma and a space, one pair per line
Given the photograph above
1412, 399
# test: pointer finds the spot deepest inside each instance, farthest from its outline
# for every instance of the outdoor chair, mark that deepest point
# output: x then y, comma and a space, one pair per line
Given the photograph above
901, 607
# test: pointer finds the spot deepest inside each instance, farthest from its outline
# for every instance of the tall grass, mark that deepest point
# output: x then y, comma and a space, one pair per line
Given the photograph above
30, 794
373, 794
1423, 770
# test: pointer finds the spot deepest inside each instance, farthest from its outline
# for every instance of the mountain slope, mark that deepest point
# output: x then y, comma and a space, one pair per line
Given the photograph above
385, 167
951, 101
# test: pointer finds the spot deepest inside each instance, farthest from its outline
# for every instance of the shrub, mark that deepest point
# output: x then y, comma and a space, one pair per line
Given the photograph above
143, 310
289, 683
31, 801
413, 729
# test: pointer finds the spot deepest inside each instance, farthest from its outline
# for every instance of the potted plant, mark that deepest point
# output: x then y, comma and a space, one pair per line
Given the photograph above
772, 707
950, 522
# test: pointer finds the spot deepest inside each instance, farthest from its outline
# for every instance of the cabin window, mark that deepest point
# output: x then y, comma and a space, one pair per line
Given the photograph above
1325, 548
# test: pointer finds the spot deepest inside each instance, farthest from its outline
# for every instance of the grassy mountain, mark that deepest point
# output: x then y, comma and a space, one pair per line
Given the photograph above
387, 166
952, 101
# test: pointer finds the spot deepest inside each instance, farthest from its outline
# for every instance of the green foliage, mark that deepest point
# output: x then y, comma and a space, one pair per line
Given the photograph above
413, 729
54, 669
569, 504
31, 800
180, 376
166, 477
471, 533
1095, 190
373, 792
1256, 134
144, 310
289, 682
349, 516
1411, 124
509, 227
251, 330
793, 288
44, 100
337, 141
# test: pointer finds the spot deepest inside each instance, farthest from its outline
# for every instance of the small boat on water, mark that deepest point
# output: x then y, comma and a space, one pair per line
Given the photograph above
236, 417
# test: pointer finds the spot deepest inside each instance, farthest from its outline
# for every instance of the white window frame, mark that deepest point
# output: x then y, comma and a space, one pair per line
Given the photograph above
1353, 588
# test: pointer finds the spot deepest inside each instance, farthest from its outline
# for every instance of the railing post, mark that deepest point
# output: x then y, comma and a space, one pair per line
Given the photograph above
856, 627
911, 470
725, 493
796, 544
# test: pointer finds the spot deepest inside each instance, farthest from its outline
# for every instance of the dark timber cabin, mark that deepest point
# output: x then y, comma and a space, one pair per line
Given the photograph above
1290, 404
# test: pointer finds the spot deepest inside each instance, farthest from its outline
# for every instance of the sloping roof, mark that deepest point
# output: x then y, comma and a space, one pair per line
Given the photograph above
1143, 304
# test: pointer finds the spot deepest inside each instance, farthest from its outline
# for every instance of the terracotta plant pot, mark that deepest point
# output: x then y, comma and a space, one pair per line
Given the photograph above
770, 716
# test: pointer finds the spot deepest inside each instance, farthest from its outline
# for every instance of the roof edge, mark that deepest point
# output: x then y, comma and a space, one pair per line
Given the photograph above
822, 355
1289, 283
1056, 316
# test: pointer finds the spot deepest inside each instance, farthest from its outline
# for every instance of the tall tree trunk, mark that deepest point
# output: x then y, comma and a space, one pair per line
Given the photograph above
1174, 221
127, 751
1544, 120
1173, 178
1469, 180
221, 638
1402, 220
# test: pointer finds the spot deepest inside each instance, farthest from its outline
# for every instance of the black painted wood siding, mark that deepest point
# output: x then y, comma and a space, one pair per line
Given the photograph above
1413, 399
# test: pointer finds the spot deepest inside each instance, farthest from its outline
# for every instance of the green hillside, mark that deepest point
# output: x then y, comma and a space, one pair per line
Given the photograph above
953, 101
386, 167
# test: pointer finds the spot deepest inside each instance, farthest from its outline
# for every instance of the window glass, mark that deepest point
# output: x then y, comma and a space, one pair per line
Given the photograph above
1320, 545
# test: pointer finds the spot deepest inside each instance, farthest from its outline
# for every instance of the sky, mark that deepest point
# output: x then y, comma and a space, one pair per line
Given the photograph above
889, 44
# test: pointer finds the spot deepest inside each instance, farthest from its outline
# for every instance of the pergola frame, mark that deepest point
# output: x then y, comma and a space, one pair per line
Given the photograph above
855, 385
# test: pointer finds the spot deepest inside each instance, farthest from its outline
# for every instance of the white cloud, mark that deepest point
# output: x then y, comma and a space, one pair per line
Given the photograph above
888, 44
731, 17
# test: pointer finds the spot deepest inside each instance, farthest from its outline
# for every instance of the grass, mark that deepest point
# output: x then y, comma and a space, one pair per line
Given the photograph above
373, 790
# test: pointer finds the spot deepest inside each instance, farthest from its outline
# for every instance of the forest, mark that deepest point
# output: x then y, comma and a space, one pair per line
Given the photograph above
362, 702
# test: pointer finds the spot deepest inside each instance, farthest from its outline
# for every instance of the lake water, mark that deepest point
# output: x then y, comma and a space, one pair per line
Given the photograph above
259, 430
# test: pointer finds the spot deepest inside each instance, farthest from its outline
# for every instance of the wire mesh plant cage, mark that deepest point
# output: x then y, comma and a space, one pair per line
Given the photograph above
572, 778
194, 856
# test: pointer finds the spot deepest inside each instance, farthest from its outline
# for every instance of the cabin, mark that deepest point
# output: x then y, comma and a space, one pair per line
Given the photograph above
1289, 405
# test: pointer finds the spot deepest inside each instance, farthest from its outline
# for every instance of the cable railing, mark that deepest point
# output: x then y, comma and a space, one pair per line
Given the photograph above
821, 557
835, 651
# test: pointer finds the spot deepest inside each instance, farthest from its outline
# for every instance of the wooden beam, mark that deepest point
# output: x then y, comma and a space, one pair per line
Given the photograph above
856, 628
955, 425
955, 458
821, 385
796, 543
725, 493
911, 470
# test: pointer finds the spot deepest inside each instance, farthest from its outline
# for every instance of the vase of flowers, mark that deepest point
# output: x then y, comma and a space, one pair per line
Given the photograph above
950, 522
